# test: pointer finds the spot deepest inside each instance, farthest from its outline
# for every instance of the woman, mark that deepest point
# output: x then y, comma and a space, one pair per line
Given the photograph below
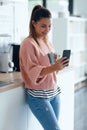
38, 73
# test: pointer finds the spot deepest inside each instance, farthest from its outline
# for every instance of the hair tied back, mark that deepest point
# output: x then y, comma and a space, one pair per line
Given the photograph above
36, 8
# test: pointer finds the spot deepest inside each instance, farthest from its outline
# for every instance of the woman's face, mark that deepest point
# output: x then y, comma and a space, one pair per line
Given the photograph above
42, 27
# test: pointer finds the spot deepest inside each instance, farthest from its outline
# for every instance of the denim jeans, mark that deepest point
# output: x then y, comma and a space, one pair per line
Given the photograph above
45, 110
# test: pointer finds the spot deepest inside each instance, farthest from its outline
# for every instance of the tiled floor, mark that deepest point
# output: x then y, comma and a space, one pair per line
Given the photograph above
80, 111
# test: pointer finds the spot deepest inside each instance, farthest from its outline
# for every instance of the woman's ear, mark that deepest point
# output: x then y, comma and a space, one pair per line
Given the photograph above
33, 23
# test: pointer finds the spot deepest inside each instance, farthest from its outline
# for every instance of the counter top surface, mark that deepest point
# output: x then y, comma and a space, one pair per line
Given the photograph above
13, 78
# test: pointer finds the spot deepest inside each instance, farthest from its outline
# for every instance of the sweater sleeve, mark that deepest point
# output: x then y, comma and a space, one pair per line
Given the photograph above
32, 66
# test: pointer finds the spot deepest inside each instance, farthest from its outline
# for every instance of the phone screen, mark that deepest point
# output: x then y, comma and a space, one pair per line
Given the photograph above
66, 53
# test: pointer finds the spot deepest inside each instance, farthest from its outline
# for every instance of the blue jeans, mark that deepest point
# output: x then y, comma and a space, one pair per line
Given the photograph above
45, 110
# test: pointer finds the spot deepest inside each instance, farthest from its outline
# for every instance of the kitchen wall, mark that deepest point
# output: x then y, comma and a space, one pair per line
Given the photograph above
14, 21
15, 15
6, 23
21, 21
80, 7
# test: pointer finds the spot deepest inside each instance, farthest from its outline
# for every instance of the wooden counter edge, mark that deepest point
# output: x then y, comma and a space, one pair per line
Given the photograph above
11, 86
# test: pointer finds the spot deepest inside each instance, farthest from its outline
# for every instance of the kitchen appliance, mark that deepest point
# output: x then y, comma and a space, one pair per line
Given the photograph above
9, 54
6, 65
15, 56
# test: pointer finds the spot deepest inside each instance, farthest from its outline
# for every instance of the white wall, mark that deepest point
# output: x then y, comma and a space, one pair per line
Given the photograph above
21, 21
14, 20
80, 7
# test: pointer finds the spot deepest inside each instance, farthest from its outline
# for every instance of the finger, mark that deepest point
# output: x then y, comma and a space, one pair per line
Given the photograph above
66, 62
59, 56
64, 58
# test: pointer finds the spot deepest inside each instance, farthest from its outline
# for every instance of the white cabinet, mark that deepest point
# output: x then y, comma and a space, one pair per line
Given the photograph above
66, 83
33, 123
13, 110
16, 115
71, 33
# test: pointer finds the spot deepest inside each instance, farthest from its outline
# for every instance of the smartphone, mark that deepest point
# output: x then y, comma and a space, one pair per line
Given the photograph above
66, 53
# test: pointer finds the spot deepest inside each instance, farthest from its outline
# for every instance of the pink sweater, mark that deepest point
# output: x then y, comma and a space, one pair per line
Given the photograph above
32, 61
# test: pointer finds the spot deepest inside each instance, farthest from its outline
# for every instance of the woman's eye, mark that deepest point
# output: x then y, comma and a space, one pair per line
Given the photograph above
43, 26
50, 26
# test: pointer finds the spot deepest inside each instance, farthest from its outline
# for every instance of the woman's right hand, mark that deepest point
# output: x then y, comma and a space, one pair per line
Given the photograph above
61, 63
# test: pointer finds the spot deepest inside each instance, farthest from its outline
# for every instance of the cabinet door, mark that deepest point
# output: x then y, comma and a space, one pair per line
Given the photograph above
66, 122
71, 33
33, 123
60, 34
13, 110
66, 83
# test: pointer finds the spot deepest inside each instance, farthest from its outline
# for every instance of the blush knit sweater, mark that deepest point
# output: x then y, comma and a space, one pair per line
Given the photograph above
32, 61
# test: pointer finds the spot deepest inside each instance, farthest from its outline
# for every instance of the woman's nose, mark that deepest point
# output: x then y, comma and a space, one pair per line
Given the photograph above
47, 29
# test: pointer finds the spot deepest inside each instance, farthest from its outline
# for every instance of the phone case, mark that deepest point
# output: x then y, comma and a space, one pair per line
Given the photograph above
66, 53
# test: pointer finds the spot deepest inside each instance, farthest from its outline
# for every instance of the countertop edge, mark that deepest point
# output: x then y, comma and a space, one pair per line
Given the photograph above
15, 77
11, 86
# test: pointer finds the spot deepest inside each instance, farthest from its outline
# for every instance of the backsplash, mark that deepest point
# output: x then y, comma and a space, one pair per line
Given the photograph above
12, 23
6, 22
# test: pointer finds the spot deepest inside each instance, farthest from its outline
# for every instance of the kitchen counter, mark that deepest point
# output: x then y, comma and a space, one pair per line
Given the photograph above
15, 80
12, 97
13, 77
13, 108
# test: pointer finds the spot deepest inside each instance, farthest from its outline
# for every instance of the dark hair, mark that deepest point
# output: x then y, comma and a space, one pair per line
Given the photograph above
38, 13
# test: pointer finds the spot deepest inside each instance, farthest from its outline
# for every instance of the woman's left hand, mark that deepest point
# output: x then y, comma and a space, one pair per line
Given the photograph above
56, 57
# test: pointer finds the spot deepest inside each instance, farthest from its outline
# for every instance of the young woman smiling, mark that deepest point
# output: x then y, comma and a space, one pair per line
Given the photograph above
38, 72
